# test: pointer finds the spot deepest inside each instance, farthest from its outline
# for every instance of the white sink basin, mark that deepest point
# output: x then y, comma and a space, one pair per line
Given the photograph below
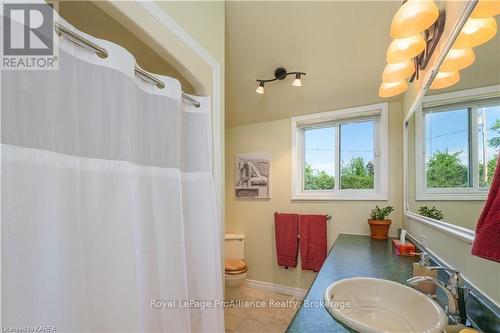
375, 305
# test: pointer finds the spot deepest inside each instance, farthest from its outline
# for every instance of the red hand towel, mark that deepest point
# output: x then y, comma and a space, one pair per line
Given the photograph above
286, 228
487, 242
312, 231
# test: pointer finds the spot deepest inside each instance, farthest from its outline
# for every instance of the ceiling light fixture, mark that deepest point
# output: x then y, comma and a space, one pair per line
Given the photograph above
280, 74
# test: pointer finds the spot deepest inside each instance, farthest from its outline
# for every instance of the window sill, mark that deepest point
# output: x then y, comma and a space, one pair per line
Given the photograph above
337, 197
452, 196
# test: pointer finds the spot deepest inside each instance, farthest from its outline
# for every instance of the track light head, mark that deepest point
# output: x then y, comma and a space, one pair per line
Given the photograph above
297, 82
260, 88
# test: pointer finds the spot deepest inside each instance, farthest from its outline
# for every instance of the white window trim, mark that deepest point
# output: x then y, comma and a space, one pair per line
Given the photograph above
449, 194
381, 137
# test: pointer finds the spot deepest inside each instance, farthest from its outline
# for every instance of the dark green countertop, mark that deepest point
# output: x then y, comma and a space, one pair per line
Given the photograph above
350, 256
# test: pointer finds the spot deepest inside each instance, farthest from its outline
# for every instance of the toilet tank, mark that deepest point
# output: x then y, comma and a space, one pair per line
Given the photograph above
234, 246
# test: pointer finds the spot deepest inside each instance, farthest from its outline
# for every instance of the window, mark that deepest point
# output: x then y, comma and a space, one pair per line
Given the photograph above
488, 142
357, 155
319, 158
457, 144
447, 148
340, 155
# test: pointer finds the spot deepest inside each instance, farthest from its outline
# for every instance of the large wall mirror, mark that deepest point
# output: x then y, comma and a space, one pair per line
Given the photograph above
453, 140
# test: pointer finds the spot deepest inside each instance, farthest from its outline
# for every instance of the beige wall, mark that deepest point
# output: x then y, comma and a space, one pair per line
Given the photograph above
203, 20
254, 218
483, 274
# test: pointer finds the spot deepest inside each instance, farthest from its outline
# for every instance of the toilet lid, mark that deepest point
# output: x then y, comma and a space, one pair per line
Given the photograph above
234, 265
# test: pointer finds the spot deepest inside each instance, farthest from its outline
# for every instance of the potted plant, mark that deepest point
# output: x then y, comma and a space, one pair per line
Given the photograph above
433, 212
379, 225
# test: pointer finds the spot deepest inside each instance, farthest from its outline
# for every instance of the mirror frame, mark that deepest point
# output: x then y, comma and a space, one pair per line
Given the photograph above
462, 233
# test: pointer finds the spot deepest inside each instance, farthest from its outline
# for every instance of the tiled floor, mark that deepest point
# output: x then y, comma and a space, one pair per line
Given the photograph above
260, 311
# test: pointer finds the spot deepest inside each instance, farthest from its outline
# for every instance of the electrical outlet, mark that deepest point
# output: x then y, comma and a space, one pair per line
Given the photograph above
422, 240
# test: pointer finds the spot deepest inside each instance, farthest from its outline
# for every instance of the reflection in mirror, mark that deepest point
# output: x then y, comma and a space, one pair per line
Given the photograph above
454, 141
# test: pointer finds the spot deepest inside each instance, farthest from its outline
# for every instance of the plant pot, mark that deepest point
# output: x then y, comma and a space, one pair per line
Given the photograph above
379, 228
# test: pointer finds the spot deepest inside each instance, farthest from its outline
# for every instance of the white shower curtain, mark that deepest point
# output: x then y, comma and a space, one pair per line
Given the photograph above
108, 204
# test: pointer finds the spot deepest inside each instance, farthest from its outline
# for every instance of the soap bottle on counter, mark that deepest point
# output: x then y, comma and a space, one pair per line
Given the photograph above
421, 269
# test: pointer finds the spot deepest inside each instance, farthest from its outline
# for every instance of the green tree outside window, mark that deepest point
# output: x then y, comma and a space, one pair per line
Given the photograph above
357, 175
317, 180
445, 170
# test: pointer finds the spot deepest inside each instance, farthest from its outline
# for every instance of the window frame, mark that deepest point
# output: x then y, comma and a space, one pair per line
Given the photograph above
377, 112
466, 99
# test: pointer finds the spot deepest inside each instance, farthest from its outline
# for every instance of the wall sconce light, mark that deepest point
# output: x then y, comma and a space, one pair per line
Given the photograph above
479, 28
398, 71
475, 32
414, 17
445, 80
486, 8
457, 59
405, 48
416, 28
390, 89
280, 74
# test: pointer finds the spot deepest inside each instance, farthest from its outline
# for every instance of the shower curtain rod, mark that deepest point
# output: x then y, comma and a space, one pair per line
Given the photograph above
103, 53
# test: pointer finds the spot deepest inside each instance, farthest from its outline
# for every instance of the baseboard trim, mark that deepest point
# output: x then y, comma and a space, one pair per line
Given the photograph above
277, 288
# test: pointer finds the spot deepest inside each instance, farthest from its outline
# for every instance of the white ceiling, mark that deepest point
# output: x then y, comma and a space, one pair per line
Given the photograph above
340, 45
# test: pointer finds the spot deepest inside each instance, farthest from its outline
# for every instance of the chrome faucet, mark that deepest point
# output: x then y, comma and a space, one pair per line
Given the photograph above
454, 289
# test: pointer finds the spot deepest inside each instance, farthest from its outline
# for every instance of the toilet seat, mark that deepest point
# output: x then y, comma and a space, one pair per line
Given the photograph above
235, 266
237, 272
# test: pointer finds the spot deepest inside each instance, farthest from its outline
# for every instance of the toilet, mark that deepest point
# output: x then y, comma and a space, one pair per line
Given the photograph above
234, 264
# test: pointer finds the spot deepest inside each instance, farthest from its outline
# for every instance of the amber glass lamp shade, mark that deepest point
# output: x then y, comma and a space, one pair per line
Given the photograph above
413, 17
405, 49
486, 8
445, 80
475, 32
457, 59
398, 71
389, 89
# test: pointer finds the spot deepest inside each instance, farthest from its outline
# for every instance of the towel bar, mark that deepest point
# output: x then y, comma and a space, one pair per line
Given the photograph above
328, 216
